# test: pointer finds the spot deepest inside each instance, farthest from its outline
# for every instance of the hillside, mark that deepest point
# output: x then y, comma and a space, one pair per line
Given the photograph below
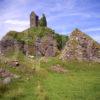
36, 80
40, 41
40, 64
27, 77
81, 47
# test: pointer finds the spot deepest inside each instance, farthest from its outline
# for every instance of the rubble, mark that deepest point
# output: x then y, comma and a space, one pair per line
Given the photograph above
81, 47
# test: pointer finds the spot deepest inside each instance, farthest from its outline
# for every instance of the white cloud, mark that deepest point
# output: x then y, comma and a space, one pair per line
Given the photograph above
61, 14
96, 37
92, 29
63, 6
79, 14
65, 14
94, 33
17, 22
17, 27
12, 27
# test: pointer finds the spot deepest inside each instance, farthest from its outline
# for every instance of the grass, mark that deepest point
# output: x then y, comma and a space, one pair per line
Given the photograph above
81, 82
29, 36
74, 86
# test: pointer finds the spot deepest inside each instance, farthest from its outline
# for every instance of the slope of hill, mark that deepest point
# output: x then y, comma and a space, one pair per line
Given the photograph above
37, 81
30, 68
37, 41
81, 47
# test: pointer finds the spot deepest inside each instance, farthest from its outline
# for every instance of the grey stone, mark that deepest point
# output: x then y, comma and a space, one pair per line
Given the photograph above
14, 63
46, 46
81, 47
7, 80
33, 20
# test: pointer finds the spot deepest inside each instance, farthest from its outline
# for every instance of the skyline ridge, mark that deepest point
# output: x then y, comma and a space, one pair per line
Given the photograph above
63, 19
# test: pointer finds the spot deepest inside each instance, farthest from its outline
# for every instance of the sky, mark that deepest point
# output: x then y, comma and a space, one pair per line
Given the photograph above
62, 15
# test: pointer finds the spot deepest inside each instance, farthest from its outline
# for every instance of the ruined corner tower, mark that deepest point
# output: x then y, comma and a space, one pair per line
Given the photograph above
33, 20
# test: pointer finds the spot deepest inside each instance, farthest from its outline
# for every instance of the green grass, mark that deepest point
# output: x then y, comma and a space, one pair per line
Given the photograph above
73, 86
29, 36
81, 82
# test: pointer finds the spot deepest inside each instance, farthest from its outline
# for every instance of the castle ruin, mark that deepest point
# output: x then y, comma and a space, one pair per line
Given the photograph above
33, 20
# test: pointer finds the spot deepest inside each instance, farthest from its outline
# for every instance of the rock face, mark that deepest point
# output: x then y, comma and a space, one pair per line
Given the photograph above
58, 69
6, 76
4, 73
81, 47
10, 46
14, 63
5, 45
44, 46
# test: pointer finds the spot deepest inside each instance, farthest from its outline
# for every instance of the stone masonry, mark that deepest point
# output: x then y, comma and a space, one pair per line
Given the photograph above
33, 20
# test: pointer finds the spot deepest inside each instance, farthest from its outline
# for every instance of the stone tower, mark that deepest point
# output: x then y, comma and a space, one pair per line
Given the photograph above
33, 20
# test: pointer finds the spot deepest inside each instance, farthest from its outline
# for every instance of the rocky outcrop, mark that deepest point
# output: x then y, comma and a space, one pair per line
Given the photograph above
6, 45
4, 73
10, 46
44, 46
81, 47
13, 63
6, 76
58, 69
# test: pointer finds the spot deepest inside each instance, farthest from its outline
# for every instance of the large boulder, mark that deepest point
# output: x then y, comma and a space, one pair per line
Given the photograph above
6, 76
46, 46
5, 73
58, 69
13, 63
81, 47
10, 46
41, 46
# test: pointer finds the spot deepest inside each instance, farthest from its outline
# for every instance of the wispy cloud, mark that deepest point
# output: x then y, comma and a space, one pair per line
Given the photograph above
62, 15
92, 29
96, 37
94, 32
17, 22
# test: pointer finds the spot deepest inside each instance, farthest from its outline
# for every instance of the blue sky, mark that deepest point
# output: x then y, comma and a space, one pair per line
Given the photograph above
62, 15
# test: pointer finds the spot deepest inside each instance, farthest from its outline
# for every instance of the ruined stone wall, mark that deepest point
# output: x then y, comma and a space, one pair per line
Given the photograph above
33, 20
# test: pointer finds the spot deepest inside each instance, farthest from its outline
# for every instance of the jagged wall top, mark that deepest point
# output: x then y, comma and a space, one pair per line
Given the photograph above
33, 19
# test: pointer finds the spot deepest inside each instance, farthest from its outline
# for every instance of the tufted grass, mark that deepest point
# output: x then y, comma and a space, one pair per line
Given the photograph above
81, 82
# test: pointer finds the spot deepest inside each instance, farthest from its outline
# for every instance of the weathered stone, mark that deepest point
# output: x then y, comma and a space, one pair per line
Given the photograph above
6, 45
33, 20
16, 76
7, 76
11, 46
28, 50
4, 73
46, 46
81, 47
14, 63
58, 69
7, 80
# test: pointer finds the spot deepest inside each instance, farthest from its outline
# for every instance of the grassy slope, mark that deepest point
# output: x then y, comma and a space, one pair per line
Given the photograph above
80, 83
29, 36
